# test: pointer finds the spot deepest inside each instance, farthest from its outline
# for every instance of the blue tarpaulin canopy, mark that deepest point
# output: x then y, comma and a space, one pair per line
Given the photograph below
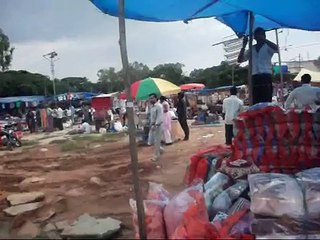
269, 14
31, 99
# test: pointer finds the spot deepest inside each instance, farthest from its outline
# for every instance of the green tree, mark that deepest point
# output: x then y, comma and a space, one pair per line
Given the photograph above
23, 83
220, 75
169, 71
5, 52
109, 80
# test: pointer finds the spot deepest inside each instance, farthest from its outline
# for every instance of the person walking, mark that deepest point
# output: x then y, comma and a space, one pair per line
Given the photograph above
60, 114
156, 121
305, 96
182, 115
231, 107
30, 118
166, 120
51, 119
262, 53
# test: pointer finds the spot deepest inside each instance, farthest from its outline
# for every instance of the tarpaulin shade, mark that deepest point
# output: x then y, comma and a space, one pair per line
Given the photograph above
192, 86
36, 99
269, 14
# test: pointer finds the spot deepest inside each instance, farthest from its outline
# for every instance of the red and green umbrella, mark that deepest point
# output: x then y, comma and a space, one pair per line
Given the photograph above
140, 90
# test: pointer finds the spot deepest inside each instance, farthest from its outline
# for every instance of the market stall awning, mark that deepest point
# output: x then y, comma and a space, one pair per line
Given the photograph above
315, 76
298, 14
35, 99
192, 86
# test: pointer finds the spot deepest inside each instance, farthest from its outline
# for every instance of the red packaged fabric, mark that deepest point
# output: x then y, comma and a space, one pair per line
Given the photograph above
179, 204
192, 169
195, 224
157, 192
202, 169
293, 121
155, 226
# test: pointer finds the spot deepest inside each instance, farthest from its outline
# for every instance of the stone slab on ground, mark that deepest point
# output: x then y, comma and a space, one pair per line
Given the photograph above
27, 197
32, 180
23, 208
90, 227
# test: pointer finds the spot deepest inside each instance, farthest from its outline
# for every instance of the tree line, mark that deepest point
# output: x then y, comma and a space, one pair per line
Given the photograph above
23, 83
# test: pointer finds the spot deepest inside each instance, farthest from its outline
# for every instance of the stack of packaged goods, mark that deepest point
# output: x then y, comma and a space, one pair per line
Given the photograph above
286, 206
278, 140
186, 215
204, 163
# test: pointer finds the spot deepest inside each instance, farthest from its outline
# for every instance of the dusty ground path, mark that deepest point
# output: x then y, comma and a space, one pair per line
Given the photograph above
68, 174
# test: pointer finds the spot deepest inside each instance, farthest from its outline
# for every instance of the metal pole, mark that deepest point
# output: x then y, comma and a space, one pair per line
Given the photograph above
251, 22
53, 77
132, 128
281, 75
232, 74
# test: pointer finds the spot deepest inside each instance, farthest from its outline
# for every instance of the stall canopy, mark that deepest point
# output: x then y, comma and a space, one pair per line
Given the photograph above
315, 76
29, 99
192, 86
269, 14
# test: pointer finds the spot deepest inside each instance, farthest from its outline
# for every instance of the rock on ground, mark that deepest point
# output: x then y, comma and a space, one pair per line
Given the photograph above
23, 208
90, 227
21, 198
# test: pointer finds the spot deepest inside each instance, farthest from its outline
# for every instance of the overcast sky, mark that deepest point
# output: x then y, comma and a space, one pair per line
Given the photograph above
86, 40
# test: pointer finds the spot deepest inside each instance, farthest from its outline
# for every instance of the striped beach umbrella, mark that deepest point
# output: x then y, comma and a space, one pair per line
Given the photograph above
140, 90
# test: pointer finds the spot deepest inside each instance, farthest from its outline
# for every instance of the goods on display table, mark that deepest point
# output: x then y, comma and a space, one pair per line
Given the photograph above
247, 191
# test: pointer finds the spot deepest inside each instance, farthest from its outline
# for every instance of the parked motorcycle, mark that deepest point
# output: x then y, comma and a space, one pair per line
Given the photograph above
9, 137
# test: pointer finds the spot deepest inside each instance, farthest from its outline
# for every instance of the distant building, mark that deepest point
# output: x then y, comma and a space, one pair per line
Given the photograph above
296, 66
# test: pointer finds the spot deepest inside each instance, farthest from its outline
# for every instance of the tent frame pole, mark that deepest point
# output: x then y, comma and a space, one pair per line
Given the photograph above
131, 124
251, 23
281, 74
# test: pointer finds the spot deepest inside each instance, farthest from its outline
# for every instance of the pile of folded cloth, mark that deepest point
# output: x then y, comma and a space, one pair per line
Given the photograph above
277, 140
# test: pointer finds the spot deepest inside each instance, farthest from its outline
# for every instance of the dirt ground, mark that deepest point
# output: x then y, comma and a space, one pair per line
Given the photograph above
66, 175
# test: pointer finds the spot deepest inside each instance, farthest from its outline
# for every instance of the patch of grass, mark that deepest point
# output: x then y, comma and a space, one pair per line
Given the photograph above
71, 146
59, 141
26, 143
96, 138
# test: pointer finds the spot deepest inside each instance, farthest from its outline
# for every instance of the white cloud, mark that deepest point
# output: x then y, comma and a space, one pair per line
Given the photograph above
150, 43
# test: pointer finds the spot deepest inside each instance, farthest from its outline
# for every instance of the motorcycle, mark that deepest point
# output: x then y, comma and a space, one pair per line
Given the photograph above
9, 137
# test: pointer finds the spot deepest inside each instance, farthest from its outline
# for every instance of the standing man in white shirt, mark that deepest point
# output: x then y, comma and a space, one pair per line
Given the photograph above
59, 118
231, 108
304, 96
156, 121
262, 53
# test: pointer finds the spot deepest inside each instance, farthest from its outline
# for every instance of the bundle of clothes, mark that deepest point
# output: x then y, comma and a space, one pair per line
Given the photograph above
277, 140
253, 205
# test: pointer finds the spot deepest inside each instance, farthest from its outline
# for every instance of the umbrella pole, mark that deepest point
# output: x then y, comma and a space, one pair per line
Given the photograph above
132, 128
281, 74
251, 22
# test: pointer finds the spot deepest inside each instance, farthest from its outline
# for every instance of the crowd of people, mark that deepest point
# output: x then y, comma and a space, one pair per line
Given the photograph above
160, 117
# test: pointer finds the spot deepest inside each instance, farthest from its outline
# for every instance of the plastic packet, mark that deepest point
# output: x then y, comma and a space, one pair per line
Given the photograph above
178, 205
155, 226
275, 195
240, 204
157, 192
310, 180
237, 189
221, 203
214, 187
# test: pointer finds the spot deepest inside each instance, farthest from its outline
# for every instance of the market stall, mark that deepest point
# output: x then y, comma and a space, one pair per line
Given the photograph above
263, 187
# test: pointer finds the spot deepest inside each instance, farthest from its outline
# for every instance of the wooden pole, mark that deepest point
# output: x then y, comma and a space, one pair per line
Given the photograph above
131, 125
251, 22
281, 74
